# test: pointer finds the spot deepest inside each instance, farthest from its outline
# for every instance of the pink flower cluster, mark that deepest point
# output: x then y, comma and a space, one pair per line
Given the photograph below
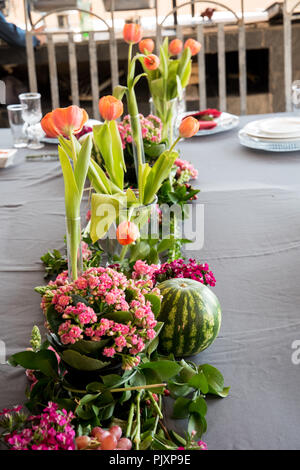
178, 268
52, 430
104, 291
151, 129
185, 171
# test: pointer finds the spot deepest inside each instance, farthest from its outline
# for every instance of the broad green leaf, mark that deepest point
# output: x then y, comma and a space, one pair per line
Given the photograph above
163, 67
181, 408
155, 303
82, 164
199, 381
164, 245
88, 347
81, 362
118, 156
214, 377
197, 423
103, 140
187, 372
185, 78
119, 92
44, 361
105, 210
119, 317
72, 196
158, 173
88, 398
157, 88
198, 406
98, 179
165, 369
183, 63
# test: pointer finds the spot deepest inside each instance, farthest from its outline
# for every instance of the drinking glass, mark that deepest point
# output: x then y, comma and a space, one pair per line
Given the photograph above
32, 114
296, 96
17, 125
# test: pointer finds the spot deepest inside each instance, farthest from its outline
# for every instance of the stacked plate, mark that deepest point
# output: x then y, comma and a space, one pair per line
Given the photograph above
280, 134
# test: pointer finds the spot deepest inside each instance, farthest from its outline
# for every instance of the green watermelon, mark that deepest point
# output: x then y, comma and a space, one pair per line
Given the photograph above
192, 317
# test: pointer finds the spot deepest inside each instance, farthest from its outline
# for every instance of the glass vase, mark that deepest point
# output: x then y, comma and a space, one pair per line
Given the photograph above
145, 217
168, 112
74, 248
137, 143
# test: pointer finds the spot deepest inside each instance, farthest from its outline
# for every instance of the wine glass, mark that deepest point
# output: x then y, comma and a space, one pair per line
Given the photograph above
296, 96
32, 114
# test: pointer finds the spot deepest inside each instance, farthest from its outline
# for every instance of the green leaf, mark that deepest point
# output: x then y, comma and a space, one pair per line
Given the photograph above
81, 362
197, 423
158, 173
163, 67
119, 92
119, 316
181, 408
157, 88
88, 347
164, 369
185, 60
165, 245
199, 381
98, 179
95, 387
179, 389
44, 361
155, 303
105, 210
118, 156
214, 377
88, 398
53, 319
82, 164
72, 196
198, 406
187, 371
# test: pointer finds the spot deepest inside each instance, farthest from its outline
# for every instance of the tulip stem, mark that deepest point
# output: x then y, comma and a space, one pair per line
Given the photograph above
130, 419
175, 143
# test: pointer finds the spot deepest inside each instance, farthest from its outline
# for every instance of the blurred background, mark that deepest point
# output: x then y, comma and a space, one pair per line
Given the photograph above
76, 51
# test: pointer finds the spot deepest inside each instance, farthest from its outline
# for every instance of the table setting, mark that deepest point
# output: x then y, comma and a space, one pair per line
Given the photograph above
126, 333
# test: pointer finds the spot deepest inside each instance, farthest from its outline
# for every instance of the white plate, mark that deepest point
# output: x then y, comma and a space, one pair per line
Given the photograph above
54, 140
274, 128
269, 145
225, 122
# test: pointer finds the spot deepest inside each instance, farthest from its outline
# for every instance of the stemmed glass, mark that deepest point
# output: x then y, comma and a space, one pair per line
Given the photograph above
32, 114
296, 96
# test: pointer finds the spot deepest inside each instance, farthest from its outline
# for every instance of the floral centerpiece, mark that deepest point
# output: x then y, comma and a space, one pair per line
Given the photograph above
101, 315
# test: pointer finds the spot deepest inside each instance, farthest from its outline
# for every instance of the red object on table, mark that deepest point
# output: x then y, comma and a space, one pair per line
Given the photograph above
206, 125
215, 113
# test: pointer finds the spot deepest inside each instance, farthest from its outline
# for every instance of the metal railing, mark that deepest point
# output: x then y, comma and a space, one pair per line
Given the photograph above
221, 49
199, 32
288, 61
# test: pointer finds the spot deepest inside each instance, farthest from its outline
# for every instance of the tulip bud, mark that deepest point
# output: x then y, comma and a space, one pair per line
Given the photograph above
151, 62
175, 47
132, 33
188, 127
146, 45
193, 45
127, 233
110, 108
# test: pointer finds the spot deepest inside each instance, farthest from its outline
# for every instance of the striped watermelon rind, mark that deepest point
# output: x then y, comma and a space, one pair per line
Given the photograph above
191, 313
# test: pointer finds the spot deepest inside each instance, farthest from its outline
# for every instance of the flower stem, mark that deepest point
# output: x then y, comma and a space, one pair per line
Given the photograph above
130, 419
139, 387
155, 405
137, 438
174, 144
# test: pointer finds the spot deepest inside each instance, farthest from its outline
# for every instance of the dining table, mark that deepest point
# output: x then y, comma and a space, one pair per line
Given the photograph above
251, 203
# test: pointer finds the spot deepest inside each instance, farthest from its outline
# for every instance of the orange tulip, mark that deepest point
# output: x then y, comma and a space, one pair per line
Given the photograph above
151, 62
189, 127
175, 47
69, 120
193, 45
127, 233
110, 108
48, 126
146, 45
132, 33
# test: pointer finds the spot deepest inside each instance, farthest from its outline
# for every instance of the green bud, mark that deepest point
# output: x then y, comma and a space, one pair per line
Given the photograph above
36, 339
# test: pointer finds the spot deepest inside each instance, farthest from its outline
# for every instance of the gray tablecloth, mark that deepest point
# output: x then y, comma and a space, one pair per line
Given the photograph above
252, 243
